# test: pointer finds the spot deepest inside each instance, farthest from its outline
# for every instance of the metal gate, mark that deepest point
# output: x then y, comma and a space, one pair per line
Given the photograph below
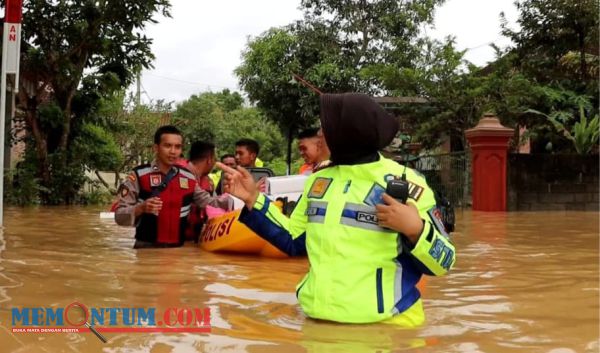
447, 173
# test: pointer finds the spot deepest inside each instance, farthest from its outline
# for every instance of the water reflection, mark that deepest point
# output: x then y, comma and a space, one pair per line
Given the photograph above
524, 282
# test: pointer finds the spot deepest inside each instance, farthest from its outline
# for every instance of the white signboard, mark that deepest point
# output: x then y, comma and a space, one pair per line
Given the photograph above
12, 38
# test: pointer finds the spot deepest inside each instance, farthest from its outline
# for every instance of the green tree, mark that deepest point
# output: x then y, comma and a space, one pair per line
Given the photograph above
373, 32
543, 71
96, 149
333, 47
571, 124
548, 31
266, 75
556, 48
584, 136
73, 54
222, 118
458, 93
202, 115
440, 75
132, 127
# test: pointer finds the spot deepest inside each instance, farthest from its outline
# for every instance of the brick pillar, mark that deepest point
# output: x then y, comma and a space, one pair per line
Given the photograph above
489, 146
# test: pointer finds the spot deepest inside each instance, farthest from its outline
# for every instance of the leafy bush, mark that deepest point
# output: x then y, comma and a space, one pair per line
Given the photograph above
582, 133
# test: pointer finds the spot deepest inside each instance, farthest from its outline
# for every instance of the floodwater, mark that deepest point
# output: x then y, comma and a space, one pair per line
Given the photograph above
524, 282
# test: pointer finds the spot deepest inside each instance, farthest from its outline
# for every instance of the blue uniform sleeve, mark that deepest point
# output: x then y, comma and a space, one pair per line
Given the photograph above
434, 254
286, 234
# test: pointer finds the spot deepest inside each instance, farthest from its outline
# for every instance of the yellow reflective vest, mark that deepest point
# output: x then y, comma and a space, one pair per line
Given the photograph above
359, 272
215, 177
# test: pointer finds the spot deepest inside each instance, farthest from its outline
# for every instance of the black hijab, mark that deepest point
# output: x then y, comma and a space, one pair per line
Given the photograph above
355, 127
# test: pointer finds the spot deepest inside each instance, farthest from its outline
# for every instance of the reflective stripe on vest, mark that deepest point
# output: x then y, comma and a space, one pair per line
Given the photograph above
316, 210
343, 236
185, 210
362, 216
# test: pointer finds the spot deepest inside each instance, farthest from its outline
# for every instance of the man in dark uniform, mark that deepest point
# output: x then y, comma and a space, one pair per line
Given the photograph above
201, 162
156, 198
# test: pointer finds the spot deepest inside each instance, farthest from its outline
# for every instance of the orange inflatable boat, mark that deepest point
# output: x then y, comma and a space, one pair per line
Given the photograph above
225, 233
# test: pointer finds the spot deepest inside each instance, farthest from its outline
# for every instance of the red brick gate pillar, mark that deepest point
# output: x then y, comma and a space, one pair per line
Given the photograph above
489, 146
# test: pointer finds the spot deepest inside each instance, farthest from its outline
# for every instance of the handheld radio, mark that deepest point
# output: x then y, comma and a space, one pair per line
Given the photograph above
398, 188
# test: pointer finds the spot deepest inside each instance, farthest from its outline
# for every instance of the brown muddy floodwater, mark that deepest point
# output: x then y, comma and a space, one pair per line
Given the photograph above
524, 282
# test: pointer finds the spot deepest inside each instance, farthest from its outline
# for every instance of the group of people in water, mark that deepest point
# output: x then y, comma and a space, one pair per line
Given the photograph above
147, 188
367, 250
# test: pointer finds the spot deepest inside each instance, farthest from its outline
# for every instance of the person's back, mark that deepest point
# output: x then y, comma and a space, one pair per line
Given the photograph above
201, 161
352, 191
366, 250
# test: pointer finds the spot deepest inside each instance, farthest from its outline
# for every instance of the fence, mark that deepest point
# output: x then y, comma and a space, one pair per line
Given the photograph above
447, 173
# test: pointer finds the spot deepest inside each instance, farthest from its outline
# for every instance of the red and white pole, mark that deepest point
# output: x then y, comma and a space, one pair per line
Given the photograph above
12, 38
11, 50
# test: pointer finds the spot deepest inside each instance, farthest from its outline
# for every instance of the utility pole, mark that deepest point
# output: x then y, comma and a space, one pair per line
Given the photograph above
138, 92
11, 50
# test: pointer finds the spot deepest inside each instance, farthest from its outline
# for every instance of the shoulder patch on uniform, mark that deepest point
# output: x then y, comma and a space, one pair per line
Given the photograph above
183, 183
123, 191
319, 187
375, 195
132, 177
415, 191
436, 218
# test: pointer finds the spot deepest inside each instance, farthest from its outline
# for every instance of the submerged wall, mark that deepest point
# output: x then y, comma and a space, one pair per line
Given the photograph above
553, 182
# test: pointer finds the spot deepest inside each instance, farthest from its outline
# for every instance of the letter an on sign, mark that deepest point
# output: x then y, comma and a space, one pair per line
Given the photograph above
12, 35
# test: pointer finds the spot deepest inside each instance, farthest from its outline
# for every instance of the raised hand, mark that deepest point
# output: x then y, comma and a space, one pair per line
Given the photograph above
262, 184
239, 183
